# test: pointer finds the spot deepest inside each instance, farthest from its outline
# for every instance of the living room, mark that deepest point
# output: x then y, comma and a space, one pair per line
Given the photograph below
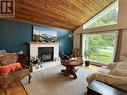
44, 34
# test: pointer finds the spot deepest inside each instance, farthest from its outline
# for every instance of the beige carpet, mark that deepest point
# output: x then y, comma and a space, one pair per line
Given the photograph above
52, 82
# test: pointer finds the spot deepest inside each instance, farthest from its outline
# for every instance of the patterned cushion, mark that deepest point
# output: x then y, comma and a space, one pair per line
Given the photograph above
8, 58
11, 67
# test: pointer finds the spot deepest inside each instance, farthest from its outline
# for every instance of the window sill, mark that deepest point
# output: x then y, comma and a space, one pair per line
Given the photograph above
98, 63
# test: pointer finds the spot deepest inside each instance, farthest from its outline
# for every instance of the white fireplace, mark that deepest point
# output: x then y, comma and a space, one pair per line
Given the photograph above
35, 51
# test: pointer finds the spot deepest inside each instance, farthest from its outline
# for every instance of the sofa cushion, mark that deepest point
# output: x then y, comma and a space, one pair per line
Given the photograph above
103, 70
119, 72
11, 67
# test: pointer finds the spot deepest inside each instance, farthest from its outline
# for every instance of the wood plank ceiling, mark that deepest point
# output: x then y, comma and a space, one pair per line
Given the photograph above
68, 14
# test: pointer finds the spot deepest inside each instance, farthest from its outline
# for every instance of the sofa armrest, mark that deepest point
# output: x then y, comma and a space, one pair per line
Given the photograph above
110, 79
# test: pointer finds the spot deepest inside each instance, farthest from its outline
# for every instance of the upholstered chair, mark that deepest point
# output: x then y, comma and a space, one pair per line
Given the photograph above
8, 76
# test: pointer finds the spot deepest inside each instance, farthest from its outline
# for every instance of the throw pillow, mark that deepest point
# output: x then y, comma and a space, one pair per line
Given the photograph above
121, 65
11, 67
119, 72
112, 66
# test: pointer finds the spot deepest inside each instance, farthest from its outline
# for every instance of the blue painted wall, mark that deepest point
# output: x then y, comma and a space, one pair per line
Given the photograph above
63, 36
15, 35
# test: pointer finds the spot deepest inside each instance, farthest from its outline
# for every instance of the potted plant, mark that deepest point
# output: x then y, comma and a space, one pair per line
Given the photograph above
35, 61
87, 62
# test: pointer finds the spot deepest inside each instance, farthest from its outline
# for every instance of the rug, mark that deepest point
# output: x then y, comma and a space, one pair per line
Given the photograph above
51, 82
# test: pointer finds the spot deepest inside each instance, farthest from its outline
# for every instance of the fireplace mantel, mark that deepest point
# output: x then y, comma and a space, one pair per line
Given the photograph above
43, 42
34, 51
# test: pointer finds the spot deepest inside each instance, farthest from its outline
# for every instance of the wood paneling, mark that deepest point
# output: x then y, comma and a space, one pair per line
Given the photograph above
68, 14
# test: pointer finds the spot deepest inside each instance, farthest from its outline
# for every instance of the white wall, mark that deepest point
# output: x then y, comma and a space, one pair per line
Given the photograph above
76, 41
122, 23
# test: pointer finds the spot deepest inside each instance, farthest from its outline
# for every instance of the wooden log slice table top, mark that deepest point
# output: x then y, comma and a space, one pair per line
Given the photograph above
72, 62
70, 66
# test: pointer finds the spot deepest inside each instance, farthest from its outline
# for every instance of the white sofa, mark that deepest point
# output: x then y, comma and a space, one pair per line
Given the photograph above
115, 74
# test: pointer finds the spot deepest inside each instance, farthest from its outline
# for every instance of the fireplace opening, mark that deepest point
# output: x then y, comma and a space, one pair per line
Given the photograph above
46, 53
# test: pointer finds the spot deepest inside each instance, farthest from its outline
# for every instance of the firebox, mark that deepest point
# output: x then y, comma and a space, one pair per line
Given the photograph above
46, 53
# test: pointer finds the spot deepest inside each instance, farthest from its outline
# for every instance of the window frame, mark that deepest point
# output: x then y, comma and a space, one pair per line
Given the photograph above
100, 15
114, 50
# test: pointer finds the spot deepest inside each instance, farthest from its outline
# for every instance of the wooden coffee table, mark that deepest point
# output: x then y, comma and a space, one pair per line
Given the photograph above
70, 66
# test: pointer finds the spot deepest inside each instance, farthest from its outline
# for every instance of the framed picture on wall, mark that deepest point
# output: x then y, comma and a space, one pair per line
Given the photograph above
40, 34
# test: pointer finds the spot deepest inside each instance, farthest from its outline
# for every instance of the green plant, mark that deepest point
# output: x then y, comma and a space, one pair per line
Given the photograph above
35, 60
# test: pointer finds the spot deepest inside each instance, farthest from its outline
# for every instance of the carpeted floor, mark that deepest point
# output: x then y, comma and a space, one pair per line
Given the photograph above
52, 82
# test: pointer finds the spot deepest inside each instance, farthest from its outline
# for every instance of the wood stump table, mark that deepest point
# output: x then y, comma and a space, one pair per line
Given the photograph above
70, 66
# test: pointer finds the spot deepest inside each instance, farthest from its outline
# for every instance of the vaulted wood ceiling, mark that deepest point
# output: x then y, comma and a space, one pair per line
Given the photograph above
69, 14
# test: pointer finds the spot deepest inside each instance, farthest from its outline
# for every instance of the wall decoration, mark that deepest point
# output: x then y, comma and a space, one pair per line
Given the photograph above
40, 35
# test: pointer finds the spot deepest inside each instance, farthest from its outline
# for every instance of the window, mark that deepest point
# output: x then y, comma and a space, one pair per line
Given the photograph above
106, 17
99, 47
